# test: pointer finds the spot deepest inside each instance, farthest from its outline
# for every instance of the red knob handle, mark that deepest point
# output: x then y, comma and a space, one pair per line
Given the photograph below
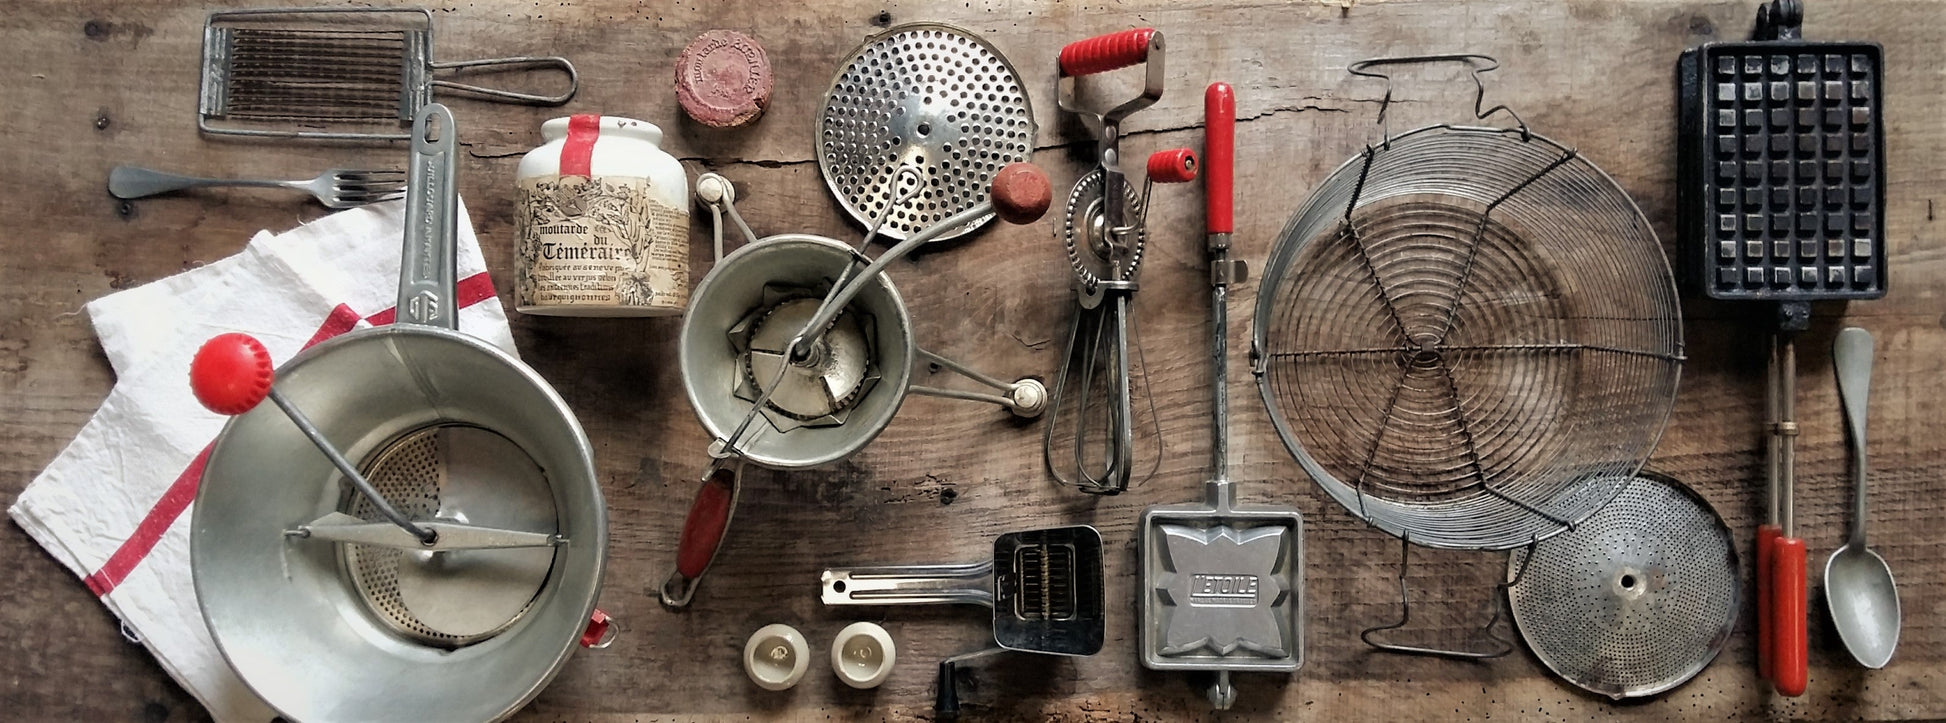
1219, 156
1021, 193
1791, 669
231, 374
1107, 52
596, 635
1172, 166
709, 517
1766, 554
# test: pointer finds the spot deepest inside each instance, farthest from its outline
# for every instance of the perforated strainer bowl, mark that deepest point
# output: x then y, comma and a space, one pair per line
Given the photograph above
1636, 599
930, 96
1468, 337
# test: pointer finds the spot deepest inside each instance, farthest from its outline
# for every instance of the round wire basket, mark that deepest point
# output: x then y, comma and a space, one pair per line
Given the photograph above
1469, 337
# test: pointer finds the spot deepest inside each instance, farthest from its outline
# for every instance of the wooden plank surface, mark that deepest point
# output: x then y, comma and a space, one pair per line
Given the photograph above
91, 84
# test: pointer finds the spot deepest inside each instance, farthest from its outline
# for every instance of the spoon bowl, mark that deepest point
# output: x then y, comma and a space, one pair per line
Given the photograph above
1864, 604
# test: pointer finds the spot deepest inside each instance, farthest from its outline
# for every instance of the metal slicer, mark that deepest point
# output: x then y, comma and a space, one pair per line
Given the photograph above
1044, 587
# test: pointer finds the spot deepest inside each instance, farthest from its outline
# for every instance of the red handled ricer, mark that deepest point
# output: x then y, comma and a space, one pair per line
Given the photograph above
1103, 235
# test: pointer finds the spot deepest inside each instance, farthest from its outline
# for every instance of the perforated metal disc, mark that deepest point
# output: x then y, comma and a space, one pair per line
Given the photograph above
1635, 600
929, 96
455, 473
1467, 336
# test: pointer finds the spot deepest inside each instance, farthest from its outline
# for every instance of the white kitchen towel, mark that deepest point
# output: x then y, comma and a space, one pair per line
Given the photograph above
112, 506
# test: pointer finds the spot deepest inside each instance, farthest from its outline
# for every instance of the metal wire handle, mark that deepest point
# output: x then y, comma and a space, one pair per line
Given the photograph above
513, 63
1475, 60
1501, 646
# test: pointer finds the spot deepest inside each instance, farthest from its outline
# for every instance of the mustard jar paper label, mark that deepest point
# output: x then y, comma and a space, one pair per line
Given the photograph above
600, 241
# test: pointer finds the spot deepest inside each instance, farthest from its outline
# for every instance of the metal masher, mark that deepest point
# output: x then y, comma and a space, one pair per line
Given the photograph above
1044, 587
1104, 232
1222, 585
336, 73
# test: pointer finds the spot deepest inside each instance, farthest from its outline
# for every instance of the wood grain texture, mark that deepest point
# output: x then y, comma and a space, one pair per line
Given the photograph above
90, 84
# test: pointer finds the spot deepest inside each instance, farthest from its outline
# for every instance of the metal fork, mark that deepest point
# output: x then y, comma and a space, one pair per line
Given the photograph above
336, 188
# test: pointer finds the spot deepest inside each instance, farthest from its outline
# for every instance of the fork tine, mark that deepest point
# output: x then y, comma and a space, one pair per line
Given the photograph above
354, 200
375, 175
368, 185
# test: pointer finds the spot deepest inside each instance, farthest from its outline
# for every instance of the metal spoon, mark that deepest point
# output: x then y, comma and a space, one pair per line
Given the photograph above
1858, 585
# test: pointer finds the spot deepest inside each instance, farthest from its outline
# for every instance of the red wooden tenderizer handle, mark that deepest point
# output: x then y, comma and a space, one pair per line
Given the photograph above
1219, 156
1791, 667
1173, 166
1103, 53
231, 374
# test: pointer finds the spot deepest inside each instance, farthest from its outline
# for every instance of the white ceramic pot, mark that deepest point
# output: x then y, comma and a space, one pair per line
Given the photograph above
603, 222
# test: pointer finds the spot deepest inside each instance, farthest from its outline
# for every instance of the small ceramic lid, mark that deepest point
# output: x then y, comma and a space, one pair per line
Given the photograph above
776, 656
723, 79
863, 655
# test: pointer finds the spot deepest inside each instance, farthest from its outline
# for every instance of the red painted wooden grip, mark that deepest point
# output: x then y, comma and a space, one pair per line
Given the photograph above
231, 373
1173, 166
1021, 193
1219, 157
598, 625
702, 530
1791, 670
1766, 552
1103, 53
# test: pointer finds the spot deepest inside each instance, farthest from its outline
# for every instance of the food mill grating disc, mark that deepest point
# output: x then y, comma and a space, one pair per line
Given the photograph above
1635, 600
1466, 336
932, 97
458, 473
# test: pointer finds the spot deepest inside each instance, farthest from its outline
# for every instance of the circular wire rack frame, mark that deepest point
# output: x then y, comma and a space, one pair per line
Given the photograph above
929, 96
1469, 337
1635, 600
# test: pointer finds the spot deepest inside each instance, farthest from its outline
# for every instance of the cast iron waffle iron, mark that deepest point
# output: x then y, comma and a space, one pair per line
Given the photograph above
1782, 199
1782, 160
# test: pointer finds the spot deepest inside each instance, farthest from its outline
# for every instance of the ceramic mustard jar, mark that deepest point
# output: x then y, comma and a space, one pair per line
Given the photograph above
603, 222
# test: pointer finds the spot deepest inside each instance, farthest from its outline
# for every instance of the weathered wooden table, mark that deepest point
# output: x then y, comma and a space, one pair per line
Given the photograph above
92, 84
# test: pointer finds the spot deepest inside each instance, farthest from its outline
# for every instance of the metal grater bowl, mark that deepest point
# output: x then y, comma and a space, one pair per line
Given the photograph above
1468, 336
930, 96
1635, 600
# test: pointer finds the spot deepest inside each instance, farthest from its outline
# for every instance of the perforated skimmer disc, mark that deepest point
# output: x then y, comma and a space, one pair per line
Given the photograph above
933, 97
1468, 336
454, 473
1636, 599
